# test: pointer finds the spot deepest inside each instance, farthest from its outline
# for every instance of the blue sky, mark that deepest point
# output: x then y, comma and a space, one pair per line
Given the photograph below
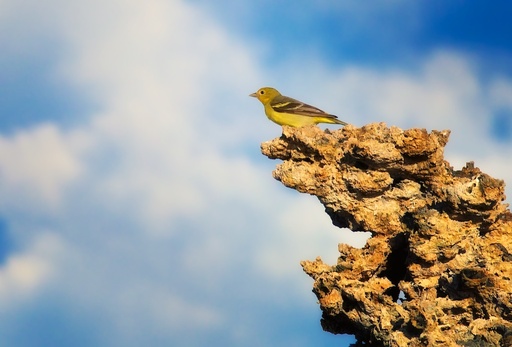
135, 206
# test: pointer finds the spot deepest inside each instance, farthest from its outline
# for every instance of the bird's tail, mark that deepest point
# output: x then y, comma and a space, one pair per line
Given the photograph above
335, 120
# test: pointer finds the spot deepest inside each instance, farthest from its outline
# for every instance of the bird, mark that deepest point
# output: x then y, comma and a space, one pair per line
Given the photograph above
284, 110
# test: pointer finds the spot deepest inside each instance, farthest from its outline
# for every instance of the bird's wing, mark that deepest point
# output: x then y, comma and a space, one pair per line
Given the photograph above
286, 104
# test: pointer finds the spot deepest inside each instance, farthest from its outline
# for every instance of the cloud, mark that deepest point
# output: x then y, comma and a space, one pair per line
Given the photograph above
36, 165
154, 196
500, 93
27, 271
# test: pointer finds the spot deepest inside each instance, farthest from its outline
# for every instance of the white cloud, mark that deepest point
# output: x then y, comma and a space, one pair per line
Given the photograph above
163, 311
500, 92
304, 231
152, 165
29, 270
36, 166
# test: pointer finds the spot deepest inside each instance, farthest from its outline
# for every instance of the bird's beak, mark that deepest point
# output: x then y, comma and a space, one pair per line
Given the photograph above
254, 95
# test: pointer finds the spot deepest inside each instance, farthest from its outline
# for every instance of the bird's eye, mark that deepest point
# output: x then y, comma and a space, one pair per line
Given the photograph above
262, 92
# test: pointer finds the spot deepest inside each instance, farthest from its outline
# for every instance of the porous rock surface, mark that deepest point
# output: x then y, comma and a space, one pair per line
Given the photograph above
437, 270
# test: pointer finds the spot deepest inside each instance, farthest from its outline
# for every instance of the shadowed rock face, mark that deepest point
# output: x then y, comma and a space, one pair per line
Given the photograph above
437, 270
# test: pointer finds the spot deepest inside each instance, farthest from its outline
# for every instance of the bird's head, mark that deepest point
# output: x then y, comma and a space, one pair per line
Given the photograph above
265, 94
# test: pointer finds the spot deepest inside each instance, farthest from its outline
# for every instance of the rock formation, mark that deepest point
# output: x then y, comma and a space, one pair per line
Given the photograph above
437, 270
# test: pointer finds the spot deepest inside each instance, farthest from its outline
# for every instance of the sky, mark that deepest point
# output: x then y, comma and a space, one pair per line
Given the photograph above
135, 206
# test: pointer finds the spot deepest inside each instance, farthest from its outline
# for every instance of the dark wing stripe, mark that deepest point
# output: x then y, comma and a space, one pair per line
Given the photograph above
289, 105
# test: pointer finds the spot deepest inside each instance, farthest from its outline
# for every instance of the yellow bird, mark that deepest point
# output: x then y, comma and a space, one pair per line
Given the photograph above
283, 110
